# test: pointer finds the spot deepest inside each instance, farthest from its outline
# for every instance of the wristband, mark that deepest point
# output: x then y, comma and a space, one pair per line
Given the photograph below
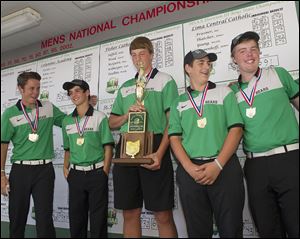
218, 163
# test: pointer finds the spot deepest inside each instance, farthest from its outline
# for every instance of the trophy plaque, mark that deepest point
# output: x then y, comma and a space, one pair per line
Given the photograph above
137, 142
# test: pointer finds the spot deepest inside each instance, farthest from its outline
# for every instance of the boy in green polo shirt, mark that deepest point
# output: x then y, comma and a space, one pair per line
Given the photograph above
205, 129
271, 139
88, 152
29, 125
153, 184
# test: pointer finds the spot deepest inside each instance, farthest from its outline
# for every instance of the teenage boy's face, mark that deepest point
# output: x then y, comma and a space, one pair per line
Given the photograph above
30, 92
200, 69
246, 56
77, 95
142, 55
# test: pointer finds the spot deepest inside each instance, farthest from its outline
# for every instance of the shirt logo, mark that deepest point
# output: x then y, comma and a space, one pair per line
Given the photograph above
183, 106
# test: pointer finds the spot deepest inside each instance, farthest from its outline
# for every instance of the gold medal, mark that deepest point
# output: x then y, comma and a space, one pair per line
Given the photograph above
80, 141
250, 112
202, 123
132, 148
33, 137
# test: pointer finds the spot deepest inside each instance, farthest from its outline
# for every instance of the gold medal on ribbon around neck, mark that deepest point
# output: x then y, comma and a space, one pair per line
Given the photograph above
33, 137
80, 141
202, 123
250, 112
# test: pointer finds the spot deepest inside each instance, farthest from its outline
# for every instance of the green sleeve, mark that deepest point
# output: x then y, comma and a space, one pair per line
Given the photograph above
65, 135
232, 112
117, 107
290, 85
174, 120
7, 129
170, 93
105, 133
58, 116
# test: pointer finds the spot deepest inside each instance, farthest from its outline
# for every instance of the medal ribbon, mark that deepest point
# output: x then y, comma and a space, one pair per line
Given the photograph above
33, 124
199, 109
250, 100
148, 76
81, 132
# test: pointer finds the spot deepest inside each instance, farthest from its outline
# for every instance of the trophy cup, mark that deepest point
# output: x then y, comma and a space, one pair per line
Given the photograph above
137, 142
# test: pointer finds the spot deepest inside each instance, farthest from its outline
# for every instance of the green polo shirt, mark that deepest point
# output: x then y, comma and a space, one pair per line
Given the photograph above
274, 123
221, 112
161, 90
15, 128
96, 135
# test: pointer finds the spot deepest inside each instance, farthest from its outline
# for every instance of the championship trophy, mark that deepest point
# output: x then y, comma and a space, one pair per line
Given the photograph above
137, 142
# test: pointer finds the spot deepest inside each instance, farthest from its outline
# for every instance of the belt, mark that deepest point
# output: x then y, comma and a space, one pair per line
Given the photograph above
278, 150
87, 168
34, 162
204, 158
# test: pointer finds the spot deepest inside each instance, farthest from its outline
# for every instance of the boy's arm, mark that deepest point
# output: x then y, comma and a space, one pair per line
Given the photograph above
108, 153
4, 180
66, 163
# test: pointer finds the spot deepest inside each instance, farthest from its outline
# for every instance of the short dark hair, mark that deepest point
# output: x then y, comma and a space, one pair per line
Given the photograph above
141, 43
27, 75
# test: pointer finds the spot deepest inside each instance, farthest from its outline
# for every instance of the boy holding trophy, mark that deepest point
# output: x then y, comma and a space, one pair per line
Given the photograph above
150, 92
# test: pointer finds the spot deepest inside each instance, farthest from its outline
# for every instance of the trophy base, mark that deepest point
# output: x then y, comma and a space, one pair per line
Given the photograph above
132, 161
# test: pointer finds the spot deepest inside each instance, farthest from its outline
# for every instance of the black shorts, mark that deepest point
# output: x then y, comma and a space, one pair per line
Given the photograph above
134, 184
